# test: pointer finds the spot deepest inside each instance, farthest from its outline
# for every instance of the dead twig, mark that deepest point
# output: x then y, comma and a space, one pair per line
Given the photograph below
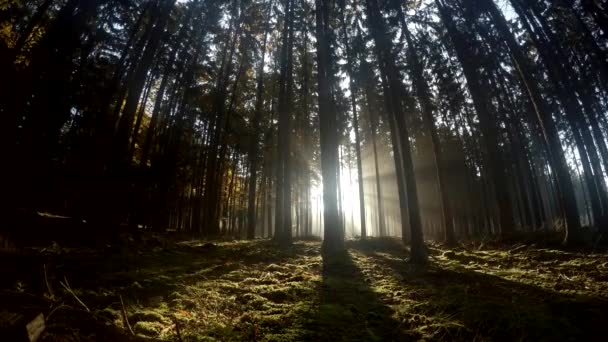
179, 334
48, 317
67, 287
124, 315
48, 287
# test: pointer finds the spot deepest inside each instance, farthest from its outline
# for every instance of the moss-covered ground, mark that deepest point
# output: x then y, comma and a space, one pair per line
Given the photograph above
257, 291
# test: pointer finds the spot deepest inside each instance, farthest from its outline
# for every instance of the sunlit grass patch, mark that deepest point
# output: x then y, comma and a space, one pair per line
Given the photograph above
260, 298
257, 291
506, 293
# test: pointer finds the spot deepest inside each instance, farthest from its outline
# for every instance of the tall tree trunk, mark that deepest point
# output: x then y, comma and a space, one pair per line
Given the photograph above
373, 124
353, 103
253, 153
574, 113
333, 233
212, 185
136, 85
481, 101
394, 87
550, 134
283, 188
424, 99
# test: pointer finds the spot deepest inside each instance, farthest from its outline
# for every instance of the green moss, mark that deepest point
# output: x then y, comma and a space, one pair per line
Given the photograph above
109, 314
149, 329
257, 291
147, 316
254, 301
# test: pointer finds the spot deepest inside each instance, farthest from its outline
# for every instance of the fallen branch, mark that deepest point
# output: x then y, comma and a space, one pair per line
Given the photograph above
124, 315
67, 287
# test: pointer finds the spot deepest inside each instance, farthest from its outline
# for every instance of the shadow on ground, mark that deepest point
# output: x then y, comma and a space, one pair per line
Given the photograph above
258, 291
348, 310
456, 297
224, 290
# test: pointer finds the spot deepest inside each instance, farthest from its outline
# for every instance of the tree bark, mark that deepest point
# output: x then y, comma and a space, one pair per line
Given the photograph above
353, 103
394, 92
550, 134
253, 152
333, 232
424, 99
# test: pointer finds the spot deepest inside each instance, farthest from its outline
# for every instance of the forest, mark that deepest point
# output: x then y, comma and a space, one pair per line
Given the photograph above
299, 170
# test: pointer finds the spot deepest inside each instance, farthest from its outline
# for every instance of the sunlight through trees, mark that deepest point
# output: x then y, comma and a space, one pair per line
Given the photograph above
443, 120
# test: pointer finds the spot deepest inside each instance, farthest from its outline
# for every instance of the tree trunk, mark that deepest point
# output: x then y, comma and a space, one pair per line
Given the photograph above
333, 233
481, 101
253, 153
550, 134
136, 84
283, 176
424, 99
353, 103
394, 88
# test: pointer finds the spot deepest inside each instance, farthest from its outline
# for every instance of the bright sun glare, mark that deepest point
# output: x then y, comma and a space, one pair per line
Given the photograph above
349, 199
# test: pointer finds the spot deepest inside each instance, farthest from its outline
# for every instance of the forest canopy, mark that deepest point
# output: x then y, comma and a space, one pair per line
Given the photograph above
439, 119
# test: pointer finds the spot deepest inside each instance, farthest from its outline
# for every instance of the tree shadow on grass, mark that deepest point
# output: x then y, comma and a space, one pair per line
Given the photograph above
160, 276
348, 310
180, 263
474, 305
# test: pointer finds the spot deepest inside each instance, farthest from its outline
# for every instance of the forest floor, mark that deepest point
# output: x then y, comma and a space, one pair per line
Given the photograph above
256, 291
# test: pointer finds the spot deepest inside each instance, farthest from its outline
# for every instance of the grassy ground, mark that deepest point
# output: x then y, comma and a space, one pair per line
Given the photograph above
255, 291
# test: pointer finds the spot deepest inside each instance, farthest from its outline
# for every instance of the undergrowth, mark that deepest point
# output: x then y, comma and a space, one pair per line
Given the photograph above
257, 291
